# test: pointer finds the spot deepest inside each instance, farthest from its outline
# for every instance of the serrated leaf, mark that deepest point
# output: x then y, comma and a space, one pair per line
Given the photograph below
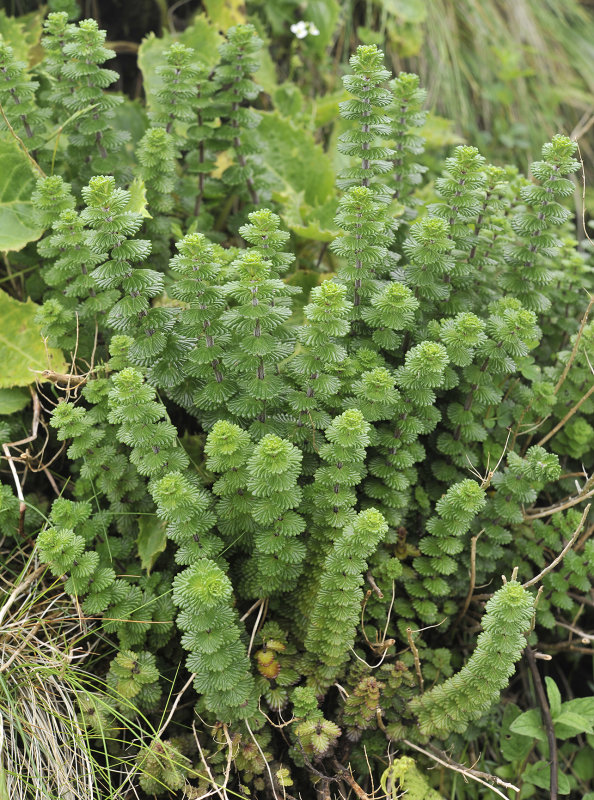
554, 696
293, 156
21, 346
151, 541
13, 400
311, 223
138, 202
18, 224
529, 724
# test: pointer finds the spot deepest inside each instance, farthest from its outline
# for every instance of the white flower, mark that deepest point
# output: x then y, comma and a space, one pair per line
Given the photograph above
302, 28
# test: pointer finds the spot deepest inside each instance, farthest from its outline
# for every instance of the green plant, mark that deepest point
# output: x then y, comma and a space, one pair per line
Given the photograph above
238, 466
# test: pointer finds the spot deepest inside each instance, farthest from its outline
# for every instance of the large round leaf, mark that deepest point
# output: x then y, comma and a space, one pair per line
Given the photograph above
18, 225
22, 350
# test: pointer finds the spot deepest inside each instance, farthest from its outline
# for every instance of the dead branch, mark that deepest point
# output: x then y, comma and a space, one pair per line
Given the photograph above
561, 555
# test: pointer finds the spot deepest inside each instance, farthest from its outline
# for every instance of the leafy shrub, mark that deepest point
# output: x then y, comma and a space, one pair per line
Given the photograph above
242, 460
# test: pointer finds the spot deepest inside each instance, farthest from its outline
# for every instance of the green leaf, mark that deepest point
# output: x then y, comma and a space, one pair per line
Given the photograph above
202, 35
539, 774
554, 696
151, 540
304, 177
13, 400
294, 157
21, 345
324, 14
414, 11
513, 746
18, 224
138, 202
311, 223
584, 706
529, 724
568, 724
583, 766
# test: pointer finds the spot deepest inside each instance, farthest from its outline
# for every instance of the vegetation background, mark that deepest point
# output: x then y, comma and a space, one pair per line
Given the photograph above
503, 76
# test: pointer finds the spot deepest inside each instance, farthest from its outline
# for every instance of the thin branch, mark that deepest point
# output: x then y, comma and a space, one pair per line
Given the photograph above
565, 372
466, 772
561, 555
567, 417
345, 774
264, 759
216, 787
547, 512
175, 705
373, 584
464, 609
415, 653
21, 144
547, 720
261, 613
585, 637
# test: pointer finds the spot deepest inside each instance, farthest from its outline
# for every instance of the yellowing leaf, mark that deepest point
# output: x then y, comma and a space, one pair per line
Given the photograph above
138, 202
22, 349
23, 34
225, 13
151, 541
17, 182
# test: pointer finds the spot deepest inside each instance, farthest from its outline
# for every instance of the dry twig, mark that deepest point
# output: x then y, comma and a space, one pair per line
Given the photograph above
561, 555
466, 772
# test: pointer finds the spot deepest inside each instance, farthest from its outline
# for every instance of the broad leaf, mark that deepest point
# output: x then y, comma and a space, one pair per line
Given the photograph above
324, 14
568, 724
225, 13
22, 350
581, 705
311, 223
13, 400
513, 746
554, 696
202, 35
583, 766
151, 540
529, 724
292, 155
23, 34
17, 182
539, 774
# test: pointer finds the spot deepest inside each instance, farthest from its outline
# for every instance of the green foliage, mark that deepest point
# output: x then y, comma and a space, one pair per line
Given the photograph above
236, 464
